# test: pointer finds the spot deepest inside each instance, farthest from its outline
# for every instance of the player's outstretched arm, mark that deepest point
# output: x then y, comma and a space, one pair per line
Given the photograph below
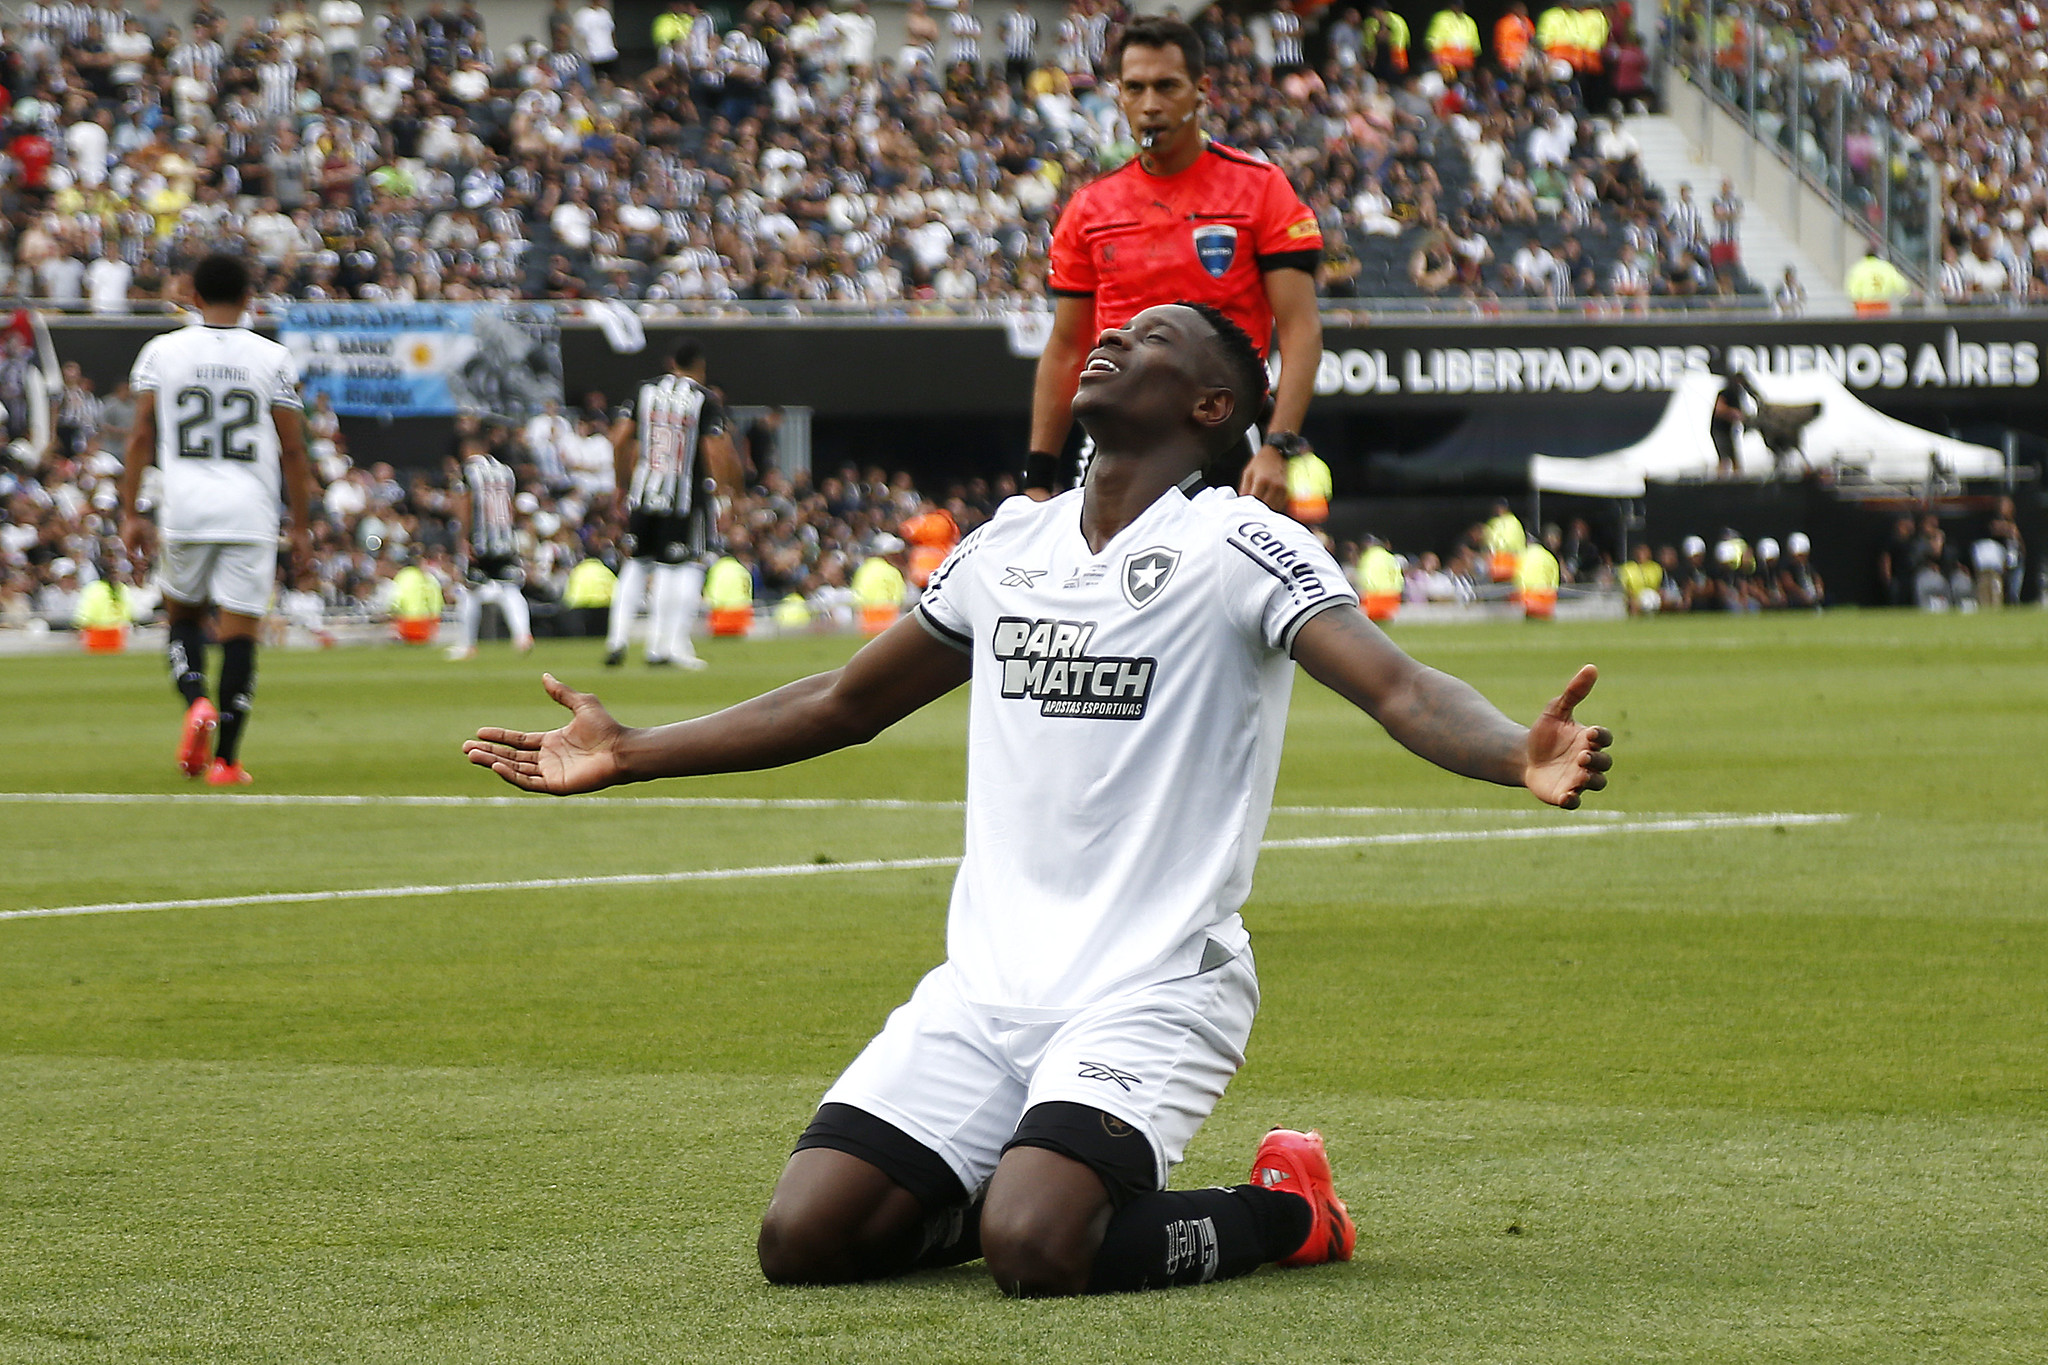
895, 674
1445, 720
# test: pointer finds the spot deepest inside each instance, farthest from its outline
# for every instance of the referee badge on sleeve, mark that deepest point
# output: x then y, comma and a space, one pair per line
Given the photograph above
1216, 247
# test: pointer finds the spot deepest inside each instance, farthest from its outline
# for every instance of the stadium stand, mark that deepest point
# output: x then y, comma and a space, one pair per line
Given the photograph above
1915, 116
408, 158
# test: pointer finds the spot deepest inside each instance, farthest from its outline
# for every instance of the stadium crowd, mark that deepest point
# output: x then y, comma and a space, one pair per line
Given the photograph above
1960, 82
405, 155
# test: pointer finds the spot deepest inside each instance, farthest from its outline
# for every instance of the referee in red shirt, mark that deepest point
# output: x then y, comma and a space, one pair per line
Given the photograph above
1187, 219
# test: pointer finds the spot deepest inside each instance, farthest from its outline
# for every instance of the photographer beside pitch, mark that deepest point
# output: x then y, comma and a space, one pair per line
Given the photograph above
1133, 649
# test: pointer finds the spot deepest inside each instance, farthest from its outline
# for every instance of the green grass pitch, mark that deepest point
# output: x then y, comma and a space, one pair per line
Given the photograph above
1756, 1091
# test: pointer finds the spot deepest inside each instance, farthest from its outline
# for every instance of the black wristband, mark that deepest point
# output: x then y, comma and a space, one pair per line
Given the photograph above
1042, 471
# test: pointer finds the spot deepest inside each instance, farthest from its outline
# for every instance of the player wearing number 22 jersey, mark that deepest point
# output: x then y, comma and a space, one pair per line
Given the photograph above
219, 413
213, 388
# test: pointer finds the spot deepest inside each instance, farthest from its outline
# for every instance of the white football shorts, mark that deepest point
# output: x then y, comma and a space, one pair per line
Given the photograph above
957, 1076
234, 577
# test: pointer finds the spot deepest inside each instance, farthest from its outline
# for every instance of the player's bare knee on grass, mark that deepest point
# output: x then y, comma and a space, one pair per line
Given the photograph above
1043, 1224
834, 1219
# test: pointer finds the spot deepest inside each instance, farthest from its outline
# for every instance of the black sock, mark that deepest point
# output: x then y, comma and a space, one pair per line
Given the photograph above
237, 683
951, 1237
187, 653
1194, 1236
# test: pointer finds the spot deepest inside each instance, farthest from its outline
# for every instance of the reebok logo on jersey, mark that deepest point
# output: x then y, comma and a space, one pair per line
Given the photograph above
1047, 661
1097, 1071
1146, 574
1014, 577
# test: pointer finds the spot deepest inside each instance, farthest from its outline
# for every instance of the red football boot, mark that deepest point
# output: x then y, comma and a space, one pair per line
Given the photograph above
1297, 1163
196, 745
226, 774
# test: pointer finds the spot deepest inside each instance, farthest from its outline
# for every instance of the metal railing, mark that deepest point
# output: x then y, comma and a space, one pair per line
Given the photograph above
1816, 116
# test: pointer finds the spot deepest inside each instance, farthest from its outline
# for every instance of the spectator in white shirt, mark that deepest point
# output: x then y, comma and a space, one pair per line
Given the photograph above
1535, 269
594, 26
573, 219
107, 280
857, 37
87, 141
343, 21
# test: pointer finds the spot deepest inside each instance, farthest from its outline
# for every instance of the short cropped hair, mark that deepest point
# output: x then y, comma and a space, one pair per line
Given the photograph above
1158, 30
688, 352
221, 278
1247, 370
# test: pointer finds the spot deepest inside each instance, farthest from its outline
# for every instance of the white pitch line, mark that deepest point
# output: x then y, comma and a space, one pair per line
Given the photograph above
536, 802
673, 803
895, 865
1457, 836
709, 874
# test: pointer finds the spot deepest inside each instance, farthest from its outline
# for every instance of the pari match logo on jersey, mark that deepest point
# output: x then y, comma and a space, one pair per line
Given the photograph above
1047, 660
1216, 247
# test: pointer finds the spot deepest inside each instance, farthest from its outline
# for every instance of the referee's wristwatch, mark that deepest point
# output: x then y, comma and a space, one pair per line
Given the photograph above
1288, 443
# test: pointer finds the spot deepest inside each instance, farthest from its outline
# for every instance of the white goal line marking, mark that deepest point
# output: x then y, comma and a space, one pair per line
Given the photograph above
715, 874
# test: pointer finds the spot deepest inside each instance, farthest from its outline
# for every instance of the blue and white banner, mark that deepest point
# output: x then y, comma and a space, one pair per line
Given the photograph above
426, 359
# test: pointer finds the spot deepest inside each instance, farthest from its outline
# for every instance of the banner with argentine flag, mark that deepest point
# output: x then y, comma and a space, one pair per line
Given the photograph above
426, 359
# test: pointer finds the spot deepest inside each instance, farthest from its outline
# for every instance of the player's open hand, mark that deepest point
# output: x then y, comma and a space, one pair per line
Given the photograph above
1566, 758
1265, 478
579, 757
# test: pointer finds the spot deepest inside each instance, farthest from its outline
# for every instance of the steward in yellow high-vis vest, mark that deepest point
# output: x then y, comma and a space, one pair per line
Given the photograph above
1504, 541
104, 612
878, 587
591, 584
415, 605
1379, 581
1536, 576
1308, 488
1452, 38
729, 592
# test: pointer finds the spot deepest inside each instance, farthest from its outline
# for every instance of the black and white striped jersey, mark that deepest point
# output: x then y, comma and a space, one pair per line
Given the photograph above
672, 415
491, 487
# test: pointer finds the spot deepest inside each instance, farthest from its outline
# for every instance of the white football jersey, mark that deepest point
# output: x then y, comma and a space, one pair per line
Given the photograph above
1125, 731
214, 388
